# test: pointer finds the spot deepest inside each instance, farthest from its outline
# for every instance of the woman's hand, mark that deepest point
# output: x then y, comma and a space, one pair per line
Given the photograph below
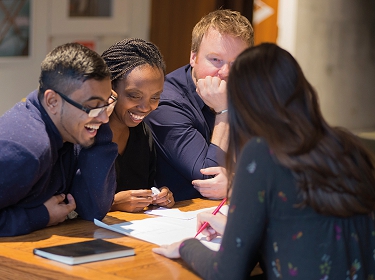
164, 198
216, 224
132, 201
170, 251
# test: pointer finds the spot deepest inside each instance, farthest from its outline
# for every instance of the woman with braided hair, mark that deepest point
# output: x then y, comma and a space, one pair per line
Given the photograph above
137, 74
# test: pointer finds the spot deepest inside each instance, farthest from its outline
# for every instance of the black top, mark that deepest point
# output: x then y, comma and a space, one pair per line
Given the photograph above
136, 168
293, 243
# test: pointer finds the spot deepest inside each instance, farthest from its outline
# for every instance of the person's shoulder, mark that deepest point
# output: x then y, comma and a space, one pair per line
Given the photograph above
177, 74
146, 128
20, 120
141, 129
22, 128
142, 133
140, 143
257, 148
256, 144
176, 84
148, 134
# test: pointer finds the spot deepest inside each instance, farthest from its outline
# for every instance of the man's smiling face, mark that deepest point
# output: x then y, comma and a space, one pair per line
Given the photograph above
75, 125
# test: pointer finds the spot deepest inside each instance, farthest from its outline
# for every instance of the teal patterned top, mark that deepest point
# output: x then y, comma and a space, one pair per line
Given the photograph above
291, 243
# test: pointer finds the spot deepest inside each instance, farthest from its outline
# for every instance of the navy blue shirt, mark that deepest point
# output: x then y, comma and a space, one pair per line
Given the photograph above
182, 127
36, 164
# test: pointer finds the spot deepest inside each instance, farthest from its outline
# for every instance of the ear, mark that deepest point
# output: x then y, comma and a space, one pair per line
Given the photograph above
51, 101
193, 57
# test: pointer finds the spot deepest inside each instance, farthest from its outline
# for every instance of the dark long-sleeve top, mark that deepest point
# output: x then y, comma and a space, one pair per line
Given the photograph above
136, 167
293, 243
182, 127
35, 165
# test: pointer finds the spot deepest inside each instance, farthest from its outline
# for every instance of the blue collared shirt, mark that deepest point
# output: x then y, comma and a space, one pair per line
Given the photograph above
182, 128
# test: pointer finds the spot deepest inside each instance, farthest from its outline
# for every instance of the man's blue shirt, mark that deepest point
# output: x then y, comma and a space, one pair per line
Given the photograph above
182, 128
36, 164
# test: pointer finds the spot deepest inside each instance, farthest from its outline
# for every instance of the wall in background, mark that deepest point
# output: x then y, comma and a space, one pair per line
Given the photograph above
19, 75
172, 22
286, 24
50, 26
335, 45
334, 41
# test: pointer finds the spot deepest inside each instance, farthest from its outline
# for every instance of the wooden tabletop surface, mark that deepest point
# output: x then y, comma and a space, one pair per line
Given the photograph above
17, 260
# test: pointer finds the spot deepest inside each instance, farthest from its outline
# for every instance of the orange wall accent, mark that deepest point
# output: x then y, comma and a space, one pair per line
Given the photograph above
266, 30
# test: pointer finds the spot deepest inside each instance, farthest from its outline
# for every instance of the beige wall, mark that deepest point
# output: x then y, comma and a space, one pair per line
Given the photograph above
335, 45
19, 76
334, 41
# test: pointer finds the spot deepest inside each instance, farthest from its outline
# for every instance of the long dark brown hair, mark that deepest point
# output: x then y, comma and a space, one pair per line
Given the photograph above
269, 97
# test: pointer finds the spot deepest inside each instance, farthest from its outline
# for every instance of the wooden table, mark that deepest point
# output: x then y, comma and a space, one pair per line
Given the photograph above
17, 260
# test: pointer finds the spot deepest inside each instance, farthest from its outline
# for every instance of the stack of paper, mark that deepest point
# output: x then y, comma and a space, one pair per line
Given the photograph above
170, 226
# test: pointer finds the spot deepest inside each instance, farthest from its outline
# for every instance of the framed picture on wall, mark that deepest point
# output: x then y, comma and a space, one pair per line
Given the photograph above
90, 8
14, 28
89, 17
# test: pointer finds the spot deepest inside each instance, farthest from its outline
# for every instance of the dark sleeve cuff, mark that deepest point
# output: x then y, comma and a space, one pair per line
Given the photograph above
38, 218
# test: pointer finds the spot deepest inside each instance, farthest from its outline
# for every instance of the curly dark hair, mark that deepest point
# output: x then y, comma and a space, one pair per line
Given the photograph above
125, 55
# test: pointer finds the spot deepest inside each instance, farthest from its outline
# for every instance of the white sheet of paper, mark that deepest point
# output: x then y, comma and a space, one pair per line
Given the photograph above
163, 230
176, 213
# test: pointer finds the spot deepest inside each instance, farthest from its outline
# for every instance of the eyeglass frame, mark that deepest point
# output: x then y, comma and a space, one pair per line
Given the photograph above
91, 112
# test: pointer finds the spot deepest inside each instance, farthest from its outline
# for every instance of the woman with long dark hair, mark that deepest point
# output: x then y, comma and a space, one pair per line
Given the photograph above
302, 193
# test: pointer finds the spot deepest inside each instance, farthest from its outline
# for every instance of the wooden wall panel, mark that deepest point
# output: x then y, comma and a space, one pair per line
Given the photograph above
171, 24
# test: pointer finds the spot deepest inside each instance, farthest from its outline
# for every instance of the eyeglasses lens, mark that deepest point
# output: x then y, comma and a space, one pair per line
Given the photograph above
97, 111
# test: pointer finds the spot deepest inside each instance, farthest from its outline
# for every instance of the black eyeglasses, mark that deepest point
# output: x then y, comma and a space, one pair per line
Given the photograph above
94, 112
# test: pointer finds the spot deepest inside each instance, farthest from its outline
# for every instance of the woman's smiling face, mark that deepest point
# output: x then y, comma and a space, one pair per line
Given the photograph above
138, 94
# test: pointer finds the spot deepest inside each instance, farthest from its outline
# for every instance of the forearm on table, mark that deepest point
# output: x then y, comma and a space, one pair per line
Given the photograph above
220, 134
17, 220
94, 184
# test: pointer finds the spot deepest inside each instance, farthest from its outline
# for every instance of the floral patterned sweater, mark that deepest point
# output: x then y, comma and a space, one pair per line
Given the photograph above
290, 243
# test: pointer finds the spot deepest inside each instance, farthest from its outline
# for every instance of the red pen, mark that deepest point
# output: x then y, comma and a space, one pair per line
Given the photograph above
213, 213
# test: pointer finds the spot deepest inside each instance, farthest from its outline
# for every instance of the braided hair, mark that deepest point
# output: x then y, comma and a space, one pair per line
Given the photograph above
125, 55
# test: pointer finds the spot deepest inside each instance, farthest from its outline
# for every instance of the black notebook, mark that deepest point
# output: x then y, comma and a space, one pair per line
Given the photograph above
83, 252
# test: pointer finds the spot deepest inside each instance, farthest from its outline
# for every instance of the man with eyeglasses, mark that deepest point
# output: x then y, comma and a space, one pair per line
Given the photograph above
56, 150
